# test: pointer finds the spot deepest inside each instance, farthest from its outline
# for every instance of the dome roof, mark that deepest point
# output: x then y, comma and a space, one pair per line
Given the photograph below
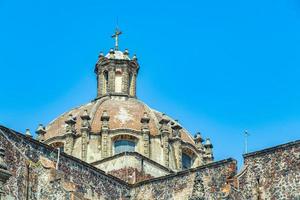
124, 114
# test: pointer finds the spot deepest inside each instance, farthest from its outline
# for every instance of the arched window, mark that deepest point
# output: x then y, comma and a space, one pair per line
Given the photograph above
105, 81
186, 161
58, 145
124, 146
118, 82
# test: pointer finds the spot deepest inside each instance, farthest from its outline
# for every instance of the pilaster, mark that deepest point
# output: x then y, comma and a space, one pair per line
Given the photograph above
105, 147
111, 80
165, 139
85, 134
146, 134
70, 134
177, 145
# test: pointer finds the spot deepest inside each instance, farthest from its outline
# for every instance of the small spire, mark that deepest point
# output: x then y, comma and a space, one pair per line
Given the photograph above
198, 138
105, 116
116, 36
101, 54
27, 133
134, 57
40, 131
145, 118
208, 143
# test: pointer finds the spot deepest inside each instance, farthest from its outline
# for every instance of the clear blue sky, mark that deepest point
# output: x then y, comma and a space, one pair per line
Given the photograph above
220, 67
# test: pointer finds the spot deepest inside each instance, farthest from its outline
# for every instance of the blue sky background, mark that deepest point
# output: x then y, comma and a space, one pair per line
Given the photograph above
220, 67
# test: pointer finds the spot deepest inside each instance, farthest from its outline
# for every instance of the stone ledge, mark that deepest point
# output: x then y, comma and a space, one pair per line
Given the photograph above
136, 154
271, 149
188, 171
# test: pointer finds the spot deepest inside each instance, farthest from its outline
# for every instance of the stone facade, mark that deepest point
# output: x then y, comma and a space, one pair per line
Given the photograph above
272, 173
37, 171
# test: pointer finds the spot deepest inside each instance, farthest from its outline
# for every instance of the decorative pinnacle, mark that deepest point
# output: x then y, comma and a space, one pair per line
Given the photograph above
105, 116
116, 36
27, 133
85, 115
208, 143
198, 138
145, 118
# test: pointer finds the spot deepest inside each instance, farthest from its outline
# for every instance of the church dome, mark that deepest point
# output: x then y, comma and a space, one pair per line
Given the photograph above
123, 113
116, 121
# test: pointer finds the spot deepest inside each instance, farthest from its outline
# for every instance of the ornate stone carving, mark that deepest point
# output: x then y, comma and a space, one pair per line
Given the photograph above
198, 140
70, 134
165, 138
208, 157
146, 134
40, 131
104, 134
85, 131
4, 173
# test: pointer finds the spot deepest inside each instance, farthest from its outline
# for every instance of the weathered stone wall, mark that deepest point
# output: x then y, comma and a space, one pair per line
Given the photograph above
132, 160
272, 173
205, 182
34, 174
268, 174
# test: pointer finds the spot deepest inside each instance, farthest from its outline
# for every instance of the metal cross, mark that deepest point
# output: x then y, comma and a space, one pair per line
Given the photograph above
116, 36
246, 141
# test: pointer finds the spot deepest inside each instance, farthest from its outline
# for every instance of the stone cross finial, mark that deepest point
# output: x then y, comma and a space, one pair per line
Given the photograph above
116, 36
40, 131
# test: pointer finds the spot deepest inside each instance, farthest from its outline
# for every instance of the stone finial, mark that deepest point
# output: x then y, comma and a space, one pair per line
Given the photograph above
134, 57
85, 119
208, 150
126, 54
208, 143
105, 118
71, 121
198, 138
101, 55
164, 123
40, 131
176, 130
27, 133
145, 122
145, 118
